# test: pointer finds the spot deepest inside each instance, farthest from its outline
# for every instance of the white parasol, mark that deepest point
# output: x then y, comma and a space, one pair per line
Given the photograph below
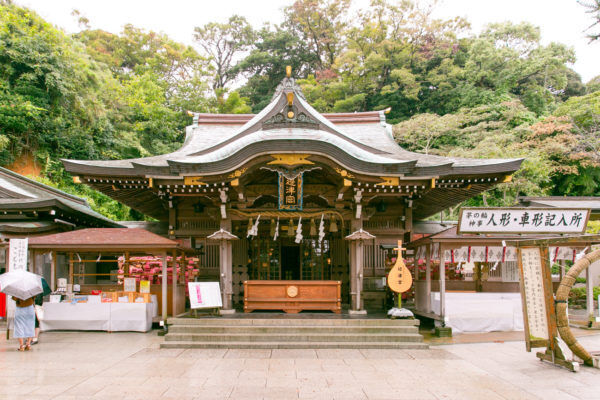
21, 284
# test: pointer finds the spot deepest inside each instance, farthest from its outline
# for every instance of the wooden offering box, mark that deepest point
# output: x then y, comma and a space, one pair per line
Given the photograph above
292, 296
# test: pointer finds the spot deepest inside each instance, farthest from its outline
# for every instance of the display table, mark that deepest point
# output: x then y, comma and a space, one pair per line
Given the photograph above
481, 312
292, 296
110, 317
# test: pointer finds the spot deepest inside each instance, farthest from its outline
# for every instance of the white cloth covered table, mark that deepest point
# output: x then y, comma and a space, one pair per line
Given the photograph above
98, 317
80, 316
130, 317
481, 312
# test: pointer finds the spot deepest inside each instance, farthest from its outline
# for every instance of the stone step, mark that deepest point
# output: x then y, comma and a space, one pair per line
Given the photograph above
277, 337
256, 329
285, 321
293, 345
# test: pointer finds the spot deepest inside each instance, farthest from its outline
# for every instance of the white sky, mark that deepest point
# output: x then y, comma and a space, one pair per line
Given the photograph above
560, 20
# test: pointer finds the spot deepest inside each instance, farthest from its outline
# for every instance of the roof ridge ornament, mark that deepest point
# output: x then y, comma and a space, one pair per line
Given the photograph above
288, 84
289, 114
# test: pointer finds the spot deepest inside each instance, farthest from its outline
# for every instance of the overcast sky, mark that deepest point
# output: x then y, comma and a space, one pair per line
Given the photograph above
560, 20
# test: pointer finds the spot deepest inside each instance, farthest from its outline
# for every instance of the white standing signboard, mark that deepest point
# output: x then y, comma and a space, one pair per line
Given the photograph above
17, 258
522, 220
534, 292
205, 295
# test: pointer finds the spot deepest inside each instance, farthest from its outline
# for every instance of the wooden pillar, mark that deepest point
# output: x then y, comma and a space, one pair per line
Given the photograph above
428, 277
353, 270
172, 218
225, 255
359, 272
408, 222
442, 285
70, 269
53, 270
31, 261
164, 287
561, 269
174, 283
356, 272
226, 269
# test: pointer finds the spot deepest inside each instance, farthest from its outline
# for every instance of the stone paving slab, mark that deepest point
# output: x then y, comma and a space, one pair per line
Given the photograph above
130, 366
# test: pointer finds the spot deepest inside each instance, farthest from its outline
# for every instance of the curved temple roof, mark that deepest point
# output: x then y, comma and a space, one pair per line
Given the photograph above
360, 142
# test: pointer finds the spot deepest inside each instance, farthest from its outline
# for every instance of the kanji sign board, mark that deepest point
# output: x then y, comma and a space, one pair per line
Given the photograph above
522, 220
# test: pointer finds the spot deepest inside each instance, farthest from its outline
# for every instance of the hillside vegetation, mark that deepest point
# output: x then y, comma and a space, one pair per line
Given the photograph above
497, 94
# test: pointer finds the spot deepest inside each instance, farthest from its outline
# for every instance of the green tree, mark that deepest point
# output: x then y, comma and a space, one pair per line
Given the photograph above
320, 25
274, 49
223, 43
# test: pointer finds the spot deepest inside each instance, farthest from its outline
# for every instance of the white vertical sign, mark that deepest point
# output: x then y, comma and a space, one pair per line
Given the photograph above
533, 285
17, 258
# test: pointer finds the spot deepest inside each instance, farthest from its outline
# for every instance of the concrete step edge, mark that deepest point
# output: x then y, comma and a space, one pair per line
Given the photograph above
295, 345
293, 322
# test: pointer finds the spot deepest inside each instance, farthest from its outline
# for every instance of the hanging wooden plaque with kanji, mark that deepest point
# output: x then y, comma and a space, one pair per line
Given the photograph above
290, 192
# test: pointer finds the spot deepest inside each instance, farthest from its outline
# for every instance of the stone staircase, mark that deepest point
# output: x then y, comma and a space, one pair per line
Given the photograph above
293, 333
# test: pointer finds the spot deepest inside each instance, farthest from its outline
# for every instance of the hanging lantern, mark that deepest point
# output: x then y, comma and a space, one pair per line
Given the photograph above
333, 225
291, 228
313, 228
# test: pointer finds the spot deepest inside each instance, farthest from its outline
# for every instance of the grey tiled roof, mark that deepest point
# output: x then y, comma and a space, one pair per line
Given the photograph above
363, 144
19, 192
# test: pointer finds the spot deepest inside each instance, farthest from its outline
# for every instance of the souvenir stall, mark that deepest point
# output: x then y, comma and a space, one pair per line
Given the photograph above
470, 282
111, 279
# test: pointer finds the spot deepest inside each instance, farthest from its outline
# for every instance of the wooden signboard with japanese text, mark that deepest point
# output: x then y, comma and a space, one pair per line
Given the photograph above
522, 220
537, 297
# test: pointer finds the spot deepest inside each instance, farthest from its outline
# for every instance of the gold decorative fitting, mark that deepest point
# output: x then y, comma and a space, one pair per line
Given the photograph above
389, 181
235, 182
290, 98
290, 159
288, 71
76, 179
290, 114
237, 173
344, 173
292, 291
193, 180
507, 178
347, 182
150, 182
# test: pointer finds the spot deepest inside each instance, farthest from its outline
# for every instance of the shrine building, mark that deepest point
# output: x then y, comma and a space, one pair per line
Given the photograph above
290, 194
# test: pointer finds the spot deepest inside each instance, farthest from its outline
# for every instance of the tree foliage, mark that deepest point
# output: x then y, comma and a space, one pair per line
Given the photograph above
500, 93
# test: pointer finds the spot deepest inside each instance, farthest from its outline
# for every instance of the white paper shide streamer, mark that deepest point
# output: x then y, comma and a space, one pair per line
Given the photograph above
253, 231
276, 230
299, 231
321, 230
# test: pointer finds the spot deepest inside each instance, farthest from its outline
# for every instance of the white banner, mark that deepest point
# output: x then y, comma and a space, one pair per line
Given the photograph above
17, 258
522, 220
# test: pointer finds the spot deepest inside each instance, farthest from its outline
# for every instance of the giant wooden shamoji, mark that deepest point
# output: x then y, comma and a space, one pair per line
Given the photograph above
399, 278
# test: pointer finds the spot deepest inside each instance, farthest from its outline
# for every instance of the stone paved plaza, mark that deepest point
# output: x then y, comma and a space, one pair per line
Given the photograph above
78, 365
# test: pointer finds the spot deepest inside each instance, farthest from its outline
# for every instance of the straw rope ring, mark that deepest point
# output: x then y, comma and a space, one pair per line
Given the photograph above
562, 295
